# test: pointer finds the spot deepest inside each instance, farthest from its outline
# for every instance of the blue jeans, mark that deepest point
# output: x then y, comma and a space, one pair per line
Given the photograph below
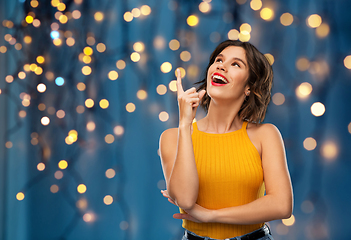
267, 237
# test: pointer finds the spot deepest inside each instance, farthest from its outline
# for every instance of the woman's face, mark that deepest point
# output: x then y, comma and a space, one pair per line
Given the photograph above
227, 76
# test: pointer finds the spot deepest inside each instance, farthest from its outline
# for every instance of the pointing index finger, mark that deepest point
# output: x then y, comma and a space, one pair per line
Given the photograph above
179, 82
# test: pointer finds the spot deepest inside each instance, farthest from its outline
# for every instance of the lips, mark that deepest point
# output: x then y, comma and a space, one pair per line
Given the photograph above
218, 79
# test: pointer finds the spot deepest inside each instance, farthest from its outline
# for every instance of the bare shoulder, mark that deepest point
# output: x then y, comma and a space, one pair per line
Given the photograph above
263, 130
168, 143
169, 135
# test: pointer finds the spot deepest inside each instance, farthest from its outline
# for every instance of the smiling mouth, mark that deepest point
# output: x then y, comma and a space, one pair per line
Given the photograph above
218, 80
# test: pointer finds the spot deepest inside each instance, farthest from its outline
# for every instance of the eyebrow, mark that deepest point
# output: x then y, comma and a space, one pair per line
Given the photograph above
235, 58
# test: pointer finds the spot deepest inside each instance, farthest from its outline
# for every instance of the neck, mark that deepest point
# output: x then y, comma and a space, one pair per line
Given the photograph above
222, 118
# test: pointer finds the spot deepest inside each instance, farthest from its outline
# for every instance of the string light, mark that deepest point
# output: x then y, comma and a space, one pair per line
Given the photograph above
145, 10
136, 12
135, 57
128, 16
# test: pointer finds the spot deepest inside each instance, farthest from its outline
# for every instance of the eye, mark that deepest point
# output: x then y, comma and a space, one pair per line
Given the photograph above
235, 64
218, 60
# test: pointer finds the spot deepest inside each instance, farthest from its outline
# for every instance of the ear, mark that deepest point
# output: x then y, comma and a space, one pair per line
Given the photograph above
247, 91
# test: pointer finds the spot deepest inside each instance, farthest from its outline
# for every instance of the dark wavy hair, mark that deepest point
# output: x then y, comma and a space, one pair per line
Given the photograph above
260, 81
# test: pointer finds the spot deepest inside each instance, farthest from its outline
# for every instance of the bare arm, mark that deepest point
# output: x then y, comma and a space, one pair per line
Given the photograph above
278, 201
177, 154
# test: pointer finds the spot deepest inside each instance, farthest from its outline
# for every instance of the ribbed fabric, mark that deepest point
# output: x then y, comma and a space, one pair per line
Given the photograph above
230, 174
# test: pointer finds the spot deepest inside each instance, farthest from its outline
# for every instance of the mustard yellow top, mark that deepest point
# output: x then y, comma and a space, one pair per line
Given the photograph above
230, 174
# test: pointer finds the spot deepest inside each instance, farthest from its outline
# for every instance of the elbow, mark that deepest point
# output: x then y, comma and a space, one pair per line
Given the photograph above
285, 210
185, 204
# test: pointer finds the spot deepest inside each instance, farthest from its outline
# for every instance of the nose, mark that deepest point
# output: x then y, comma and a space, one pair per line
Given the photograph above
221, 67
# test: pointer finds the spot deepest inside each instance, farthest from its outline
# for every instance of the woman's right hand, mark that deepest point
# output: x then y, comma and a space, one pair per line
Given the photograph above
188, 102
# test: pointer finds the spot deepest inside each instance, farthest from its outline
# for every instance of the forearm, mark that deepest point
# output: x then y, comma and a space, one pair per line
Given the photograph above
266, 208
183, 183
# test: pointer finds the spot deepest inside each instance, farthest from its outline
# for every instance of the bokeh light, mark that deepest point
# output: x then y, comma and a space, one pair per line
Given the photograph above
63, 164
81, 188
173, 85
256, 4
174, 44
309, 144
286, 19
166, 67
113, 75
20, 196
347, 62
161, 89
41, 166
45, 120
314, 21
317, 109
163, 116
289, 221
104, 103
118, 130
89, 103
192, 20
278, 99
142, 94
267, 14
303, 90
109, 138
130, 107
110, 173
108, 199
59, 81
329, 150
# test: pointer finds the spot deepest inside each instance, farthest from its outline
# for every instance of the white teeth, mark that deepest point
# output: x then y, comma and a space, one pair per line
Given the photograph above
220, 78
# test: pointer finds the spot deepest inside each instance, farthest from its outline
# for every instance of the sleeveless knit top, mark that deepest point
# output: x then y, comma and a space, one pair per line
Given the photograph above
230, 174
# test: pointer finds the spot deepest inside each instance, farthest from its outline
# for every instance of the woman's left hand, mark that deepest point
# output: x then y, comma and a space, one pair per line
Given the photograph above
196, 214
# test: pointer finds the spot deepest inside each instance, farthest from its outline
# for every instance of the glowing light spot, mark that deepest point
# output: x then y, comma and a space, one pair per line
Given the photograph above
245, 27
41, 107
329, 150
136, 12
60, 113
22, 114
54, 188
128, 16
54, 34
347, 62
45, 121
303, 90
135, 57
286, 19
82, 204
86, 59
70, 41
233, 34
80, 109
166, 67
41, 166
185, 56
58, 174
104, 103
8, 144
138, 47
113, 75
29, 19
20, 196
89, 103
182, 72
309, 144
314, 21
130, 107
192, 20
108, 200
18, 46
57, 42
63, 19
159, 42
278, 99
323, 30
76, 14
118, 130
38, 71
289, 221
100, 47
81, 188
142, 94
63, 164
173, 85
91, 126
174, 44
110, 173
3, 49
120, 64
267, 14
317, 109
49, 76
161, 89
204, 7
349, 127
270, 58
59, 81
90, 40
81, 86
99, 16
21, 75
109, 138
256, 5
88, 217
86, 70
163, 116
9, 79
88, 51
34, 3
244, 36
302, 64
40, 59
61, 7
145, 10
41, 87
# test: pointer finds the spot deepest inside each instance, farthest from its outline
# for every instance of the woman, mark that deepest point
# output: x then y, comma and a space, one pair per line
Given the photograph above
227, 172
